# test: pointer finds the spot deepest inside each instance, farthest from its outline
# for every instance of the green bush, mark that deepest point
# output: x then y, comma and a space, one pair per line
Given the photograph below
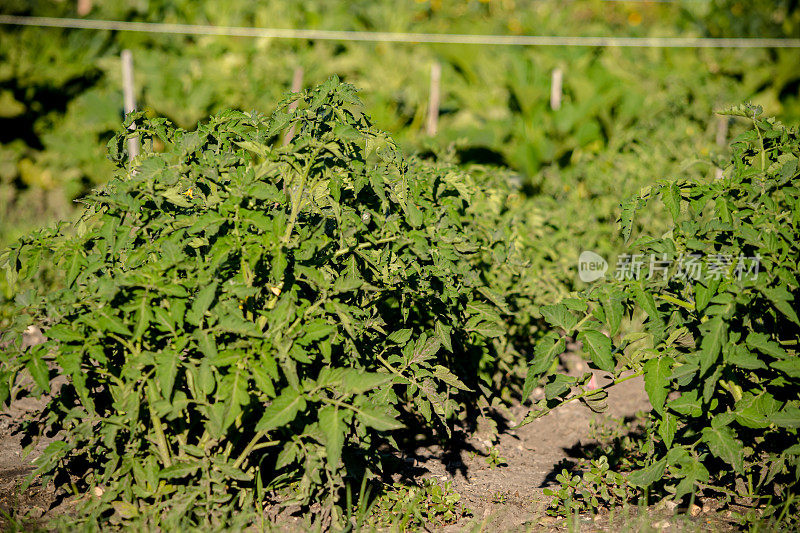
718, 347
239, 316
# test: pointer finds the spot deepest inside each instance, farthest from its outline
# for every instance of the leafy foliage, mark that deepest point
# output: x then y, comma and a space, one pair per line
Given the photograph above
60, 95
406, 508
718, 344
238, 319
597, 487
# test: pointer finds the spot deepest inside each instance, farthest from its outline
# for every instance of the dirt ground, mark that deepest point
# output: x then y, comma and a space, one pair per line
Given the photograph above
510, 497
533, 455
504, 497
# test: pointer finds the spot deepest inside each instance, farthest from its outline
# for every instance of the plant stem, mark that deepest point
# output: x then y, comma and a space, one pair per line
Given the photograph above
252, 446
363, 245
394, 371
676, 301
604, 387
297, 200
763, 151
577, 326
266, 444
124, 342
161, 440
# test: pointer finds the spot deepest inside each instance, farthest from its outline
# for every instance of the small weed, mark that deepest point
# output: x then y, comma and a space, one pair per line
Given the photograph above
598, 487
493, 459
406, 507
499, 497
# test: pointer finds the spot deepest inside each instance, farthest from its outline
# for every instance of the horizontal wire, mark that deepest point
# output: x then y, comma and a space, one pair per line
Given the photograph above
377, 36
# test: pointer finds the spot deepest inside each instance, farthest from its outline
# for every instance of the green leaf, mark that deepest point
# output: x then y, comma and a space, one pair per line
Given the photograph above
37, 367
76, 263
788, 417
262, 378
710, 383
413, 214
282, 410
704, 292
753, 411
230, 472
126, 510
166, 370
206, 343
599, 347
667, 427
179, 470
646, 302
202, 301
444, 334
175, 196
64, 334
112, 323
425, 348
489, 329
377, 419
143, 317
762, 343
236, 324
657, 378
790, 367
546, 350
483, 311
648, 475
359, 382
331, 424
315, 330
723, 443
628, 210
691, 471
687, 403
5, 390
346, 284
558, 386
743, 358
494, 297
613, 310
782, 299
715, 335
444, 374
559, 316
671, 197
400, 336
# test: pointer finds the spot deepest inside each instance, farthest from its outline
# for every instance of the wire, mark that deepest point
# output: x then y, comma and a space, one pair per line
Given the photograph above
375, 36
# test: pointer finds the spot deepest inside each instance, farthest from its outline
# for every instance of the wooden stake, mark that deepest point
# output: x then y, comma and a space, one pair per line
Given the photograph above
84, 7
433, 104
556, 89
129, 97
297, 86
722, 131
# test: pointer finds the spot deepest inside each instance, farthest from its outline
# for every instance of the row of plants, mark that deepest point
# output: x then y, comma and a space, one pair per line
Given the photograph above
624, 112
60, 96
242, 322
711, 323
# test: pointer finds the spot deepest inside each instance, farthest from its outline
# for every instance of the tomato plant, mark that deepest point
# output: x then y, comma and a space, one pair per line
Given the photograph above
238, 318
718, 345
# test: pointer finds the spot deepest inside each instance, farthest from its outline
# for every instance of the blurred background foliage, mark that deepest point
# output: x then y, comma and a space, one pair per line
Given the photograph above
628, 118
